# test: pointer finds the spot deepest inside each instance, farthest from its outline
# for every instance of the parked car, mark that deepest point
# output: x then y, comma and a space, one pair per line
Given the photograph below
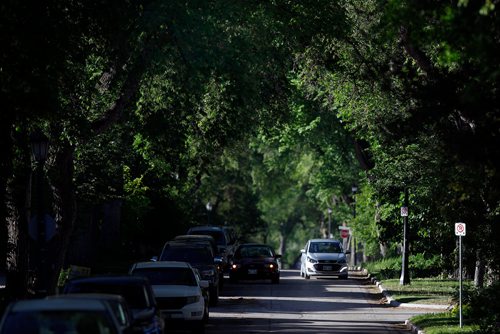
323, 257
59, 315
220, 259
225, 243
178, 291
255, 261
117, 304
199, 256
137, 291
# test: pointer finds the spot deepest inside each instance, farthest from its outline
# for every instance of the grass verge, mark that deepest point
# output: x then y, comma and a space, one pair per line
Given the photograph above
422, 290
441, 323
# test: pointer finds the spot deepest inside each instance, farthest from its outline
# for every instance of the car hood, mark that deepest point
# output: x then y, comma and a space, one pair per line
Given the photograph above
176, 290
250, 260
327, 256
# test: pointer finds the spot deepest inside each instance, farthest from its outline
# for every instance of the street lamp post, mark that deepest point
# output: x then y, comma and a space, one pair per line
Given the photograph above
39, 148
405, 275
354, 190
329, 223
208, 206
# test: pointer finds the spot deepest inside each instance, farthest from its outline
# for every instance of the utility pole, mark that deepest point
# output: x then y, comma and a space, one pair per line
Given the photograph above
329, 223
405, 275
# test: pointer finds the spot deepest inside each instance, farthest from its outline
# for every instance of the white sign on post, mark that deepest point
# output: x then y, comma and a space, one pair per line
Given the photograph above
460, 229
404, 211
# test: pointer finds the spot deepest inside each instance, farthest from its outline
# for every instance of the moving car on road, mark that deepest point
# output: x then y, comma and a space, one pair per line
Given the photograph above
255, 261
323, 257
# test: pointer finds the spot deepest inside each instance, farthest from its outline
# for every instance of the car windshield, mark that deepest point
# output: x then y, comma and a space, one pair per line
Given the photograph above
186, 254
324, 247
135, 294
167, 276
254, 251
54, 322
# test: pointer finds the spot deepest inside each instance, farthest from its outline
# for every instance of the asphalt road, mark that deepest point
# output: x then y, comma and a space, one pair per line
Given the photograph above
297, 305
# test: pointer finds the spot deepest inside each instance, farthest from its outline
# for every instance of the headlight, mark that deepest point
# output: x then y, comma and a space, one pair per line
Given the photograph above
192, 299
271, 265
235, 266
310, 259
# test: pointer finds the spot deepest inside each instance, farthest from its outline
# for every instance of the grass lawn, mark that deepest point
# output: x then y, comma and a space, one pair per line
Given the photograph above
422, 290
441, 323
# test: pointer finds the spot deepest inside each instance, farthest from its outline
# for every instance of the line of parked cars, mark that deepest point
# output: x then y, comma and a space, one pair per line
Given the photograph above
178, 286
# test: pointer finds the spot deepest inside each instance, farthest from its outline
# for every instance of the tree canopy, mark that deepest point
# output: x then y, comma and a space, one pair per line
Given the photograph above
270, 110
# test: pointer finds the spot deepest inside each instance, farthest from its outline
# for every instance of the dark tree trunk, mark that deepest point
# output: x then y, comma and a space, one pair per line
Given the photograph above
64, 207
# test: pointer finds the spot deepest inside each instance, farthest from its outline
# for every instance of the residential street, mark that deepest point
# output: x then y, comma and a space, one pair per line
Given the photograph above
297, 305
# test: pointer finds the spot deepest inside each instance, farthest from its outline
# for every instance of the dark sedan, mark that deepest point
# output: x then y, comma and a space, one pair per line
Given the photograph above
255, 261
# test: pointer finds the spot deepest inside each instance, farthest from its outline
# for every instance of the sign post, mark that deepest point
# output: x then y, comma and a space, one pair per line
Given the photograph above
460, 232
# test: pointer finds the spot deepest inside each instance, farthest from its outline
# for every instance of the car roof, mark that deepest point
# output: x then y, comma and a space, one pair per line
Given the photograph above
55, 304
99, 296
194, 236
325, 240
161, 264
206, 228
115, 279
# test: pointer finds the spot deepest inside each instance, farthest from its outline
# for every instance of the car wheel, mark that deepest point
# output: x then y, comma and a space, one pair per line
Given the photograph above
233, 279
275, 280
306, 276
343, 277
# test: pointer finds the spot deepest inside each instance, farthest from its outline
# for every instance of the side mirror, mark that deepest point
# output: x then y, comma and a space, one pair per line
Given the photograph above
302, 250
218, 259
154, 259
204, 284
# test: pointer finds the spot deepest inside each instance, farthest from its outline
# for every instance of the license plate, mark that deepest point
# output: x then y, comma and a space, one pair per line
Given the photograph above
252, 271
327, 268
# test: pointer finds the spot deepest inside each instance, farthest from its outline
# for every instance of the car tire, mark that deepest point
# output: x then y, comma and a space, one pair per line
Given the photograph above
233, 279
275, 280
306, 276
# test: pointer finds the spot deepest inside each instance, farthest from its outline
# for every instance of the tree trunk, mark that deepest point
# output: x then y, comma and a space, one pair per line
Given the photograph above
479, 270
64, 208
19, 259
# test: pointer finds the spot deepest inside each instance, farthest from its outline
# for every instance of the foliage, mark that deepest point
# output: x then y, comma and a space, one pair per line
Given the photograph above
441, 323
482, 306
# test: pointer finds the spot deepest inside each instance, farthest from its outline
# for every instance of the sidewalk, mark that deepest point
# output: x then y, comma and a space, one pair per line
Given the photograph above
358, 272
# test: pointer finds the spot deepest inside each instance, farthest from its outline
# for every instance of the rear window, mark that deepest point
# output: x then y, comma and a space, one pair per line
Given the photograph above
219, 236
167, 276
186, 254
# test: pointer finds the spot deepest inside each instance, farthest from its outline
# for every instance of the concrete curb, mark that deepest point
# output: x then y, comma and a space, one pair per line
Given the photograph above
413, 328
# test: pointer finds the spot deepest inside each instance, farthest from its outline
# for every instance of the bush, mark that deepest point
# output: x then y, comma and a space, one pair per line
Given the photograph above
420, 266
485, 308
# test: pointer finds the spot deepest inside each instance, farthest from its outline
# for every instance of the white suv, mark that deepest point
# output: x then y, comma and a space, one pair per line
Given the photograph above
180, 294
323, 257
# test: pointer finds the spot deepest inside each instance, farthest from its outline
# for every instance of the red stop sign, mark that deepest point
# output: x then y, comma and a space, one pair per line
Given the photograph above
344, 234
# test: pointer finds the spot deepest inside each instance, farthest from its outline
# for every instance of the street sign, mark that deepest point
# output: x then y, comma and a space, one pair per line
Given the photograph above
344, 234
404, 211
460, 229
